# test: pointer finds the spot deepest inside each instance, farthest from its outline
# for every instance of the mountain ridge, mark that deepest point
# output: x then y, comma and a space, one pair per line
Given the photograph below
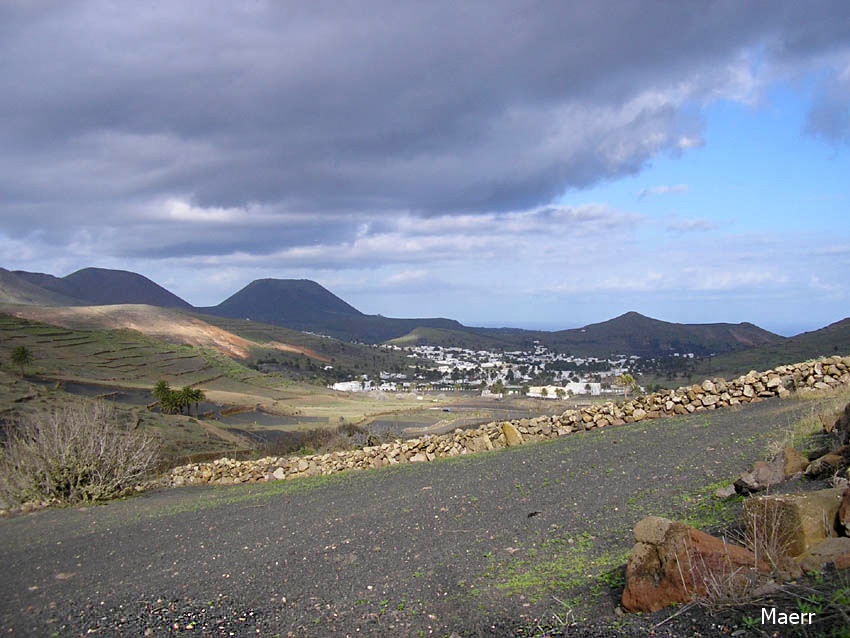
305, 305
103, 286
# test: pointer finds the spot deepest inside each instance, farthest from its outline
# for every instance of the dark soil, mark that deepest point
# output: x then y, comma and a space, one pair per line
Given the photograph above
518, 542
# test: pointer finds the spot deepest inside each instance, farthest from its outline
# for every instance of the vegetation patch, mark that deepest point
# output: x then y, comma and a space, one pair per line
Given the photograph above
74, 453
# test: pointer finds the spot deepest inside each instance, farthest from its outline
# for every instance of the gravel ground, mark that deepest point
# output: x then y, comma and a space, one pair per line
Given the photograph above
525, 541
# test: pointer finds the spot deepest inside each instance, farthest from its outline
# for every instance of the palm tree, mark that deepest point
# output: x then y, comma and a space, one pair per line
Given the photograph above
185, 398
162, 392
197, 397
21, 357
169, 404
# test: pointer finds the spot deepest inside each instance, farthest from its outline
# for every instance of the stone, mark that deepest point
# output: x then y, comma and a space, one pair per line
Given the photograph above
800, 520
830, 551
829, 422
709, 399
794, 461
723, 493
762, 476
480, 443
512, 435
673, 563
825, 466
279, 474
843, 519
773, 382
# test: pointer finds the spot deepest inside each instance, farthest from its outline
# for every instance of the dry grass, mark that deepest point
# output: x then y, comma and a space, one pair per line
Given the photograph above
826, 405
717, 581
74, 452
767, 535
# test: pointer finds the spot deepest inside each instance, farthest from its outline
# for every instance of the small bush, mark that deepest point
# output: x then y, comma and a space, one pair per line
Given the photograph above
74, 453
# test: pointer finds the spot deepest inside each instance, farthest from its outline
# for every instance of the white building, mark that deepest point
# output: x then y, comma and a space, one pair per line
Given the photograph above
352, 386
568, 389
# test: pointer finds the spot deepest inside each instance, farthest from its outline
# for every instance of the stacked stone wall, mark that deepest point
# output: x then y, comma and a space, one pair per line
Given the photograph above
711, 394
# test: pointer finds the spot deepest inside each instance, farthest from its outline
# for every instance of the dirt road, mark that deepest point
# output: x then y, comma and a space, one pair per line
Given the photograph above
481, 545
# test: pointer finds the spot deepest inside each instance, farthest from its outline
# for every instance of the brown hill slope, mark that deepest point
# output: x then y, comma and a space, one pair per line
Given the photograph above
20, 290
832, 339
172, 326
633, 333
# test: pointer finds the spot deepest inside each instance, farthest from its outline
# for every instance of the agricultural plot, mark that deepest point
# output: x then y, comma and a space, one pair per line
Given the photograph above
121, 356
243, 404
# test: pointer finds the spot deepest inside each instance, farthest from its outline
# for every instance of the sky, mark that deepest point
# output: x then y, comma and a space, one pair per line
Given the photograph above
526, 164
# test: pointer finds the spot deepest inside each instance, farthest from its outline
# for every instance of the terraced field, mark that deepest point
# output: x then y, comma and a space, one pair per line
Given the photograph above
112, 356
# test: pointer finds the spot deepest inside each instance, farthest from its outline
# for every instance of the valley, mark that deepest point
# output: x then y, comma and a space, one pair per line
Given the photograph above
286, 365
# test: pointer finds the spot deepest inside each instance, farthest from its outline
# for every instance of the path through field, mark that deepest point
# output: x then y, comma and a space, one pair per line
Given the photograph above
479, 545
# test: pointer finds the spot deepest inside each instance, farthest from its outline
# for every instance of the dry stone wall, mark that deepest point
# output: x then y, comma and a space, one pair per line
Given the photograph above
712, 394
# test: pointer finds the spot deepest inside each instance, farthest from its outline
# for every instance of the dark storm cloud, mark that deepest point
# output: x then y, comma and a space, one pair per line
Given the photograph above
366, 108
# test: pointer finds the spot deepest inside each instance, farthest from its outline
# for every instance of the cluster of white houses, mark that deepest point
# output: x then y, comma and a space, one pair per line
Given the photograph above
498, 373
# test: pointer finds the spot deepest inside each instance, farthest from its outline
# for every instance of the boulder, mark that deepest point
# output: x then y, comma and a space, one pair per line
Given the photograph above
830, 551
674, 563
793, 523
512, 435
794, 461
762, 476
826, 465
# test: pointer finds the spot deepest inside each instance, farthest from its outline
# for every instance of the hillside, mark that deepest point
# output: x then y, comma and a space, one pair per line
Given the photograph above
294, 301
101, 286
281, 347
469, 338
301, 304
292, 353
631, 333
304, 305
833, 339
18, 289
166, 324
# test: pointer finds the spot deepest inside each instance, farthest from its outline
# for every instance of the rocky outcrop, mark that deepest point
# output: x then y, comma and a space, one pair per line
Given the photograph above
788, 534
711, 394
674, 563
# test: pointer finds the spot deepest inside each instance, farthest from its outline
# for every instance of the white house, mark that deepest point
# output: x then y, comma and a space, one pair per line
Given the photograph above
571, 388
352, 386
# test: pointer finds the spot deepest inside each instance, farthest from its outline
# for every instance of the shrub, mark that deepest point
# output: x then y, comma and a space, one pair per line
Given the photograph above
74, 453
